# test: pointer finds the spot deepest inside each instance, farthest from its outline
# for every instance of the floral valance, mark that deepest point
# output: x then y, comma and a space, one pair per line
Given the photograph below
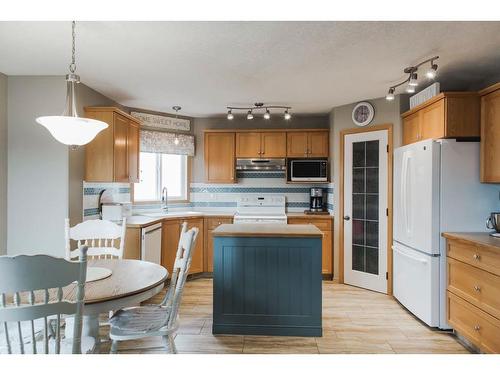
165, 143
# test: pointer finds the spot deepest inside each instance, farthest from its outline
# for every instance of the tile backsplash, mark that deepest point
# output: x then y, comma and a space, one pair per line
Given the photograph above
216, 196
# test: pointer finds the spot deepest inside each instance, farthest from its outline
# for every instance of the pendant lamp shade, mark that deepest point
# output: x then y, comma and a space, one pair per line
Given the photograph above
68, 128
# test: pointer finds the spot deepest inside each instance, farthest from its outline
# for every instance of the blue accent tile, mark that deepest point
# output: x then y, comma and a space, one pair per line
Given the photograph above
97, 191
245, 190
214, 204
297, 204
91, 211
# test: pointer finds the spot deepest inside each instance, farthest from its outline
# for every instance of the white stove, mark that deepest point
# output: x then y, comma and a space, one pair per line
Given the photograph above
261, 209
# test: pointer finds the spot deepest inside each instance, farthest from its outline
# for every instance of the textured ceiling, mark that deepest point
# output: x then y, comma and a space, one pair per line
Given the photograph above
204, 66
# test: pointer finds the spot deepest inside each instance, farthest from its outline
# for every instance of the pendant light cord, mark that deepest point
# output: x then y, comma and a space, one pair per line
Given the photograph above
72, 66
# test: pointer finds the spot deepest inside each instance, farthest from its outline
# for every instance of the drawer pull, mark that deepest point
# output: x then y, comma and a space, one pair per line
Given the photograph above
477, 288
477, 327
476, 256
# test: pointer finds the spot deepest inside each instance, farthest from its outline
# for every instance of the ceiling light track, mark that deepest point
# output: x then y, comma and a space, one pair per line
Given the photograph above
412, 80
259, 107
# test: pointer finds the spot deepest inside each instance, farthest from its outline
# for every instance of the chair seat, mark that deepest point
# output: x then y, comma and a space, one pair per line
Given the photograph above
140, 319
88, 344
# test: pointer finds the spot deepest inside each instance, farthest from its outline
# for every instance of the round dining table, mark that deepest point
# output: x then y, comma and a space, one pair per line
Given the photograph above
130, 283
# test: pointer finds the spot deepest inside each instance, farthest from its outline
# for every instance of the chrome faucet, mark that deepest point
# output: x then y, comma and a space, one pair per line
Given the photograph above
164, 199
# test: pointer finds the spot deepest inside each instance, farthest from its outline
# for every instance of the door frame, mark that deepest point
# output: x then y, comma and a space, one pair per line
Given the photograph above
343, 133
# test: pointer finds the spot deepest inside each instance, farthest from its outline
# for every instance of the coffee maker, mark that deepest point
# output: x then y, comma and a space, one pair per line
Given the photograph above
316, 200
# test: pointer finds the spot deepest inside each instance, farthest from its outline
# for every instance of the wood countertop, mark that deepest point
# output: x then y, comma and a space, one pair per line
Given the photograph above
482, 238
266, 230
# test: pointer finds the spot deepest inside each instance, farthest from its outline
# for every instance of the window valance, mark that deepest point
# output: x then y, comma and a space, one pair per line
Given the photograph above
164, 143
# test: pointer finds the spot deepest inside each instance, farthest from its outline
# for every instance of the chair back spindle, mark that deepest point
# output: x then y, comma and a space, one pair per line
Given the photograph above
104, 239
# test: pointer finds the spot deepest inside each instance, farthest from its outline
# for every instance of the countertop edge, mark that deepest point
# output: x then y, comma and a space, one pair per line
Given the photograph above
482, 238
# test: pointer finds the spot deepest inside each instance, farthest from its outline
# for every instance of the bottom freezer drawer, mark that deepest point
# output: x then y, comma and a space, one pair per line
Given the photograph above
416, 283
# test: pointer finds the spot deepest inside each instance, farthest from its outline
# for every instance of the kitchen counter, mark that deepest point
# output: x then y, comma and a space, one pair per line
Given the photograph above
482, 238
266, 230
140, 221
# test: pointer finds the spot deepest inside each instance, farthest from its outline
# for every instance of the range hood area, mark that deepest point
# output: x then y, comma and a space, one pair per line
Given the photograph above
261, 164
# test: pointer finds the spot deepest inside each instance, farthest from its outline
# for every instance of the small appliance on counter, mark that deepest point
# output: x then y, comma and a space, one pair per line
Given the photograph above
316, 202
493, 222
113, 210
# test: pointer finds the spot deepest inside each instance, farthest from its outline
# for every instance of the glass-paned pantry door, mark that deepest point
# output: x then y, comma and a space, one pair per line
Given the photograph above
365, 215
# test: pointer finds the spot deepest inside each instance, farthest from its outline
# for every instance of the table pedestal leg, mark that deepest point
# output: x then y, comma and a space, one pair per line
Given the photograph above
90, 327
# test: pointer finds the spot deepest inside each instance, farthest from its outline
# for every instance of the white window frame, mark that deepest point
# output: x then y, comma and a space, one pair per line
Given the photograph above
159, 187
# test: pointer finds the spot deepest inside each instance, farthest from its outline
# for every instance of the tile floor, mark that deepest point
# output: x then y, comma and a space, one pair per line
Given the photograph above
354, 321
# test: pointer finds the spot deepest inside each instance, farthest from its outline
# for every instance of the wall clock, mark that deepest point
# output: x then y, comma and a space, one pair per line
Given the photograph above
363, 113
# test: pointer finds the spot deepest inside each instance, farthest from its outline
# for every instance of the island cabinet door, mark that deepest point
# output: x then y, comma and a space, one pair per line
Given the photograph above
171, 230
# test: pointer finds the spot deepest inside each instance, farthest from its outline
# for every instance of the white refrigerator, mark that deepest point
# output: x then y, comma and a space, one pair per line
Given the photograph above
436, 189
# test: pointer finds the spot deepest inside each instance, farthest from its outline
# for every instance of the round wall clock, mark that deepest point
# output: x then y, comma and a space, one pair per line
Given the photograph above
363, 113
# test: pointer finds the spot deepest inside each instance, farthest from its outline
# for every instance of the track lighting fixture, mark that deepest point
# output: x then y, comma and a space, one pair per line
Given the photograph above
431, 73
390, 94
412, 80
258, 107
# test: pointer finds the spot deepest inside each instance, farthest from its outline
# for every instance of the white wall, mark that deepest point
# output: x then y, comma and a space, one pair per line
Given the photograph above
3, 164
37, 168
341, 118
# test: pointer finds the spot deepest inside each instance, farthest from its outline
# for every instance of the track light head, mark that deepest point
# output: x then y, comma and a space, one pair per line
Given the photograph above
249, 115
287, 115
432, 72
410, 89
267, 115
413, 79
390, 94
230, 115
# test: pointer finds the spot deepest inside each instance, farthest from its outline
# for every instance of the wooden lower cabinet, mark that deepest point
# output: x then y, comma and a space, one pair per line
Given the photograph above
171, 230
473, 287
326, 227
210, 224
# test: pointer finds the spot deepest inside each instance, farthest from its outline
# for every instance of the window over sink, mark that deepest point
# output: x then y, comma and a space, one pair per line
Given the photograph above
162, 170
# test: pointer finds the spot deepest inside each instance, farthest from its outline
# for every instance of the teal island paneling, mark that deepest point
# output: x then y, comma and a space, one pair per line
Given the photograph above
267, 286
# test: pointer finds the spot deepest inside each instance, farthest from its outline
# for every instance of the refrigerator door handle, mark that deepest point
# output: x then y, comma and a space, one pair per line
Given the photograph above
420, 260
404, 192
407, 195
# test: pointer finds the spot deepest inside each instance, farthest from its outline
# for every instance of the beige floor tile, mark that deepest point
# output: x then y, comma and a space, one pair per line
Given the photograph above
279, 345
209, 344
352, 346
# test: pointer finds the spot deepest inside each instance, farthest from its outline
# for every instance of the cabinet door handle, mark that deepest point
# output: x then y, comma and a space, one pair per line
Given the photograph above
477, 288
476, 257
477, 327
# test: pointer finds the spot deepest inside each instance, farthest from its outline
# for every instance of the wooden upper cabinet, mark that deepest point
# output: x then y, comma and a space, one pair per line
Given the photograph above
260, 144
113, 156
133, 150
273, 144
120, 161
296, 146
447, 115
220, 157
318, 144
248, 145
490, 134
304, 144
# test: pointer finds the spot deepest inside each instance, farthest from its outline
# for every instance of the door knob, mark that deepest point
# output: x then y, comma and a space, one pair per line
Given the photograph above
347, 218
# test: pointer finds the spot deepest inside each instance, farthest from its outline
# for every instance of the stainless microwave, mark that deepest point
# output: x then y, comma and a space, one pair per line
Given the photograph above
308, 170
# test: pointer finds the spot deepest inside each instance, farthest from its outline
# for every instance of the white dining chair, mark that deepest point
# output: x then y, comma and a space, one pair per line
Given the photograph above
31, 290
157, 320
103, 238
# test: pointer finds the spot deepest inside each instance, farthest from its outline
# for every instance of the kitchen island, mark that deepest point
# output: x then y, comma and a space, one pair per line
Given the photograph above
267, 280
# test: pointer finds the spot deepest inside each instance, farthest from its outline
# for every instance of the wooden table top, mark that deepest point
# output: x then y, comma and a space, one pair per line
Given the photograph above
129, 277
266, 230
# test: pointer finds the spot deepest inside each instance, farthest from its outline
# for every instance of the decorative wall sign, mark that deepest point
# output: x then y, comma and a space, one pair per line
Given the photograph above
363, 114
162, 122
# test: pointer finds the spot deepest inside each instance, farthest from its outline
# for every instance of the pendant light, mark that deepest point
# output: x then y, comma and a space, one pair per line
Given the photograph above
176, 108
69, 128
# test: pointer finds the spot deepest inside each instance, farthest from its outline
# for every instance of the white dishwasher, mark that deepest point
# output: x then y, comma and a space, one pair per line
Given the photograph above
151, 243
